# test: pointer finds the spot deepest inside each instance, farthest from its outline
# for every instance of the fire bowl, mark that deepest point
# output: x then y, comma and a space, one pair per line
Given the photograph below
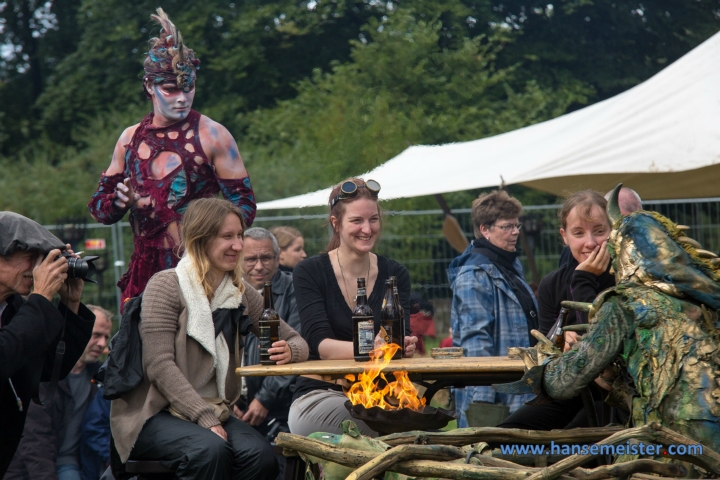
402, 420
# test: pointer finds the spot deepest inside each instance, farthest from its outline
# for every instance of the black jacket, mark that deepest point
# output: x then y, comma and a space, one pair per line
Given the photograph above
275, 392
566, 283
45, 429
28, 337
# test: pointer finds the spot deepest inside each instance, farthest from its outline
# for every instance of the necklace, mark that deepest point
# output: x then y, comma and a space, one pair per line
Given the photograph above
342, 272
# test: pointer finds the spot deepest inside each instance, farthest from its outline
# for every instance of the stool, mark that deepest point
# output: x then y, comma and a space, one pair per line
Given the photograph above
149, 470
294, 466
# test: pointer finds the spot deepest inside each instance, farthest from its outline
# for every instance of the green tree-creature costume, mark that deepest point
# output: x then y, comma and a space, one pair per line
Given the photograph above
659, 325
352, 439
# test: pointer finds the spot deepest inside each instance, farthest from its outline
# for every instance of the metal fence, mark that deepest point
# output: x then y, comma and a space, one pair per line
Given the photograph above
414, 238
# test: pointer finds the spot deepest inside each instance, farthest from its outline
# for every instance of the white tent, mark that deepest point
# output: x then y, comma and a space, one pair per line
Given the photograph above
661, 138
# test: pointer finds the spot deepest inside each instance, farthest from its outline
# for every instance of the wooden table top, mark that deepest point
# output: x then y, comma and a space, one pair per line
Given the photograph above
340, 368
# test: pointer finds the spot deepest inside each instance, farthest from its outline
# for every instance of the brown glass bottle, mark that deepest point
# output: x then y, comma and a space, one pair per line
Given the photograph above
397, 298
269, 325
556, 332
391, 325
363, 325
400, 308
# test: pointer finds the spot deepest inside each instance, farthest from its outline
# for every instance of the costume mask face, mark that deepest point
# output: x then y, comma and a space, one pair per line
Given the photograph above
172, 102
648, 249
169, 61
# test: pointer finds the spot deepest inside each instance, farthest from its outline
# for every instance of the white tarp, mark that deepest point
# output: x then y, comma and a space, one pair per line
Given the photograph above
661, 138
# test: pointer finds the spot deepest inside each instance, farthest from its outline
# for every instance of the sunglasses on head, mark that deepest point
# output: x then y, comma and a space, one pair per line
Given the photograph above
350, 190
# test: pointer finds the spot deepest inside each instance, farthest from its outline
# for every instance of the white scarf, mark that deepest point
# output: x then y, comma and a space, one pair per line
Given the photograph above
199, 322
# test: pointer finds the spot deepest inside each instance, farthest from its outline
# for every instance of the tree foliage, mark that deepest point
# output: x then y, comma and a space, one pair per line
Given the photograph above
400, 89
314, 90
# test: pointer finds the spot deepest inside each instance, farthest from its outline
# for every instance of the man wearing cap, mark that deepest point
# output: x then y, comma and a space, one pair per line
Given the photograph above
31, 328
174, 156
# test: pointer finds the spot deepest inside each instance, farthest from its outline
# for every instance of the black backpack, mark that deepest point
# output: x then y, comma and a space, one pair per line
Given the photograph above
123, 371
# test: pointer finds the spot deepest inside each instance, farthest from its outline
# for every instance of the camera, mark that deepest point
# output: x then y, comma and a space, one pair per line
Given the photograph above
82, 268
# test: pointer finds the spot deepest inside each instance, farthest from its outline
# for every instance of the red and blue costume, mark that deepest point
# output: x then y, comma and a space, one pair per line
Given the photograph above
156, 247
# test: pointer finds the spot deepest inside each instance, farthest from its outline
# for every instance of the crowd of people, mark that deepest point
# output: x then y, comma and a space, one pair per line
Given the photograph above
200, 268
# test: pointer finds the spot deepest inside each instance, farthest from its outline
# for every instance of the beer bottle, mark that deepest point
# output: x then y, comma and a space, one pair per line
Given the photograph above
556, 332
400, 308
390, 321
397, 299
268, 325
363, 325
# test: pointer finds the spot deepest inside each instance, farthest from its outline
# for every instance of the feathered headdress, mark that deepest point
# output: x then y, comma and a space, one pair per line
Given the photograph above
168, 59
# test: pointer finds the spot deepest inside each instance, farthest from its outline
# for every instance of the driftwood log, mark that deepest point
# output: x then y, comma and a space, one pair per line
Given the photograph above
466, 436
408, 460
709, 460
391, 458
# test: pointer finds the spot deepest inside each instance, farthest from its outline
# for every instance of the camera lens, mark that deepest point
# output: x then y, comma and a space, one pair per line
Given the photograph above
82, 268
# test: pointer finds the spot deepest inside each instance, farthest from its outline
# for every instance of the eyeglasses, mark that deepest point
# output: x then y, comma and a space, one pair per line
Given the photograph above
251, 261
509, 227
350, 189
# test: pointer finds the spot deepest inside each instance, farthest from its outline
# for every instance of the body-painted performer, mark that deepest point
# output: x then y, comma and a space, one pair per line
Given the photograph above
172, 157
659, 327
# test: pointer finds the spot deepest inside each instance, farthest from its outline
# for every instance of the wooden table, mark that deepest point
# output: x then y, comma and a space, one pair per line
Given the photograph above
434, 374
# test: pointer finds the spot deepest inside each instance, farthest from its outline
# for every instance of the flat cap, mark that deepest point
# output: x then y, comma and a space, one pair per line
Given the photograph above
21, 233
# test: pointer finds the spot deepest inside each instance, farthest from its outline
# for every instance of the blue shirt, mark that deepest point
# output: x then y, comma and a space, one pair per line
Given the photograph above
486, 319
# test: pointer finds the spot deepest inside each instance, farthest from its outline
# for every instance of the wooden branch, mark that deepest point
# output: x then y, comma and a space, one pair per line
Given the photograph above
580, 328
488, 461
672, 470
466, 436
578, 306
709, 460
461, 471
527, 459
415, 468
387, 460
484, 467
316, 448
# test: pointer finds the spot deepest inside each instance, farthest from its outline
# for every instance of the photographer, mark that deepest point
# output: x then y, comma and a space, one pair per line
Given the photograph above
31, 327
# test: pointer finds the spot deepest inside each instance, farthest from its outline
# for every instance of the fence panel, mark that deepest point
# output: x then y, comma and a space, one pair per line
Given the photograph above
413, 238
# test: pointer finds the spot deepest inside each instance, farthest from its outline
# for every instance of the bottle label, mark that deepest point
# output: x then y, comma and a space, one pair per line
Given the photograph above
365, 335
386, 332
265, 339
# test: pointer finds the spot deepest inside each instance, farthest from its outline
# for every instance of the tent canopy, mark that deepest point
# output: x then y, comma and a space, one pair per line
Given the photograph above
661, 138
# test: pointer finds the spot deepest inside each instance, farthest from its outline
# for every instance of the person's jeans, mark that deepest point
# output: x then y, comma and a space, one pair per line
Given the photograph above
68, 472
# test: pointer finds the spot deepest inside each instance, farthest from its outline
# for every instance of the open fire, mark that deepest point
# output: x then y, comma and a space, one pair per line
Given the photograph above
394, 395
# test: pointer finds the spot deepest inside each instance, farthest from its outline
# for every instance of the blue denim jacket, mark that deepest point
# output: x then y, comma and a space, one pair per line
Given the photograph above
486, 320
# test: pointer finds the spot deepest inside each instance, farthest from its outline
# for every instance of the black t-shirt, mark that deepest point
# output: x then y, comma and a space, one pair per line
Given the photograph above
324, 313
566, 283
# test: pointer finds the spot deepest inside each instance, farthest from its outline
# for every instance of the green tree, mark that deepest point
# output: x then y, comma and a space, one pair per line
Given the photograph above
252, 53
400, 89
34, 36
611, 45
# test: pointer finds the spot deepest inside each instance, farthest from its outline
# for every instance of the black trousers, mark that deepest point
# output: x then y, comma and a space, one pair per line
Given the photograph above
556, 415
197, 453
562, 414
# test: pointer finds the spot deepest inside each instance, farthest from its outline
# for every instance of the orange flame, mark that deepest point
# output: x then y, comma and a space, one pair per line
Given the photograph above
395, 395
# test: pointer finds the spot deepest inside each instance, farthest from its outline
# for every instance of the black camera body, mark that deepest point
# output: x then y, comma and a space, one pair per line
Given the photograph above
82, 268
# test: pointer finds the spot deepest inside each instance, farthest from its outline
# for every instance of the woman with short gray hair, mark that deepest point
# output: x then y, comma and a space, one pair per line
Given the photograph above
493, 307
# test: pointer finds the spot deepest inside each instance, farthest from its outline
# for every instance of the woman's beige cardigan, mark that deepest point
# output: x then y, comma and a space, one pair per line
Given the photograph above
175, 364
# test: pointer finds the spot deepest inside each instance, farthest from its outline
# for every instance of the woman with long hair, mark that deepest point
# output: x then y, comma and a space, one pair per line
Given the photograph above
325, 288
192, 322
584, 228
292, 246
